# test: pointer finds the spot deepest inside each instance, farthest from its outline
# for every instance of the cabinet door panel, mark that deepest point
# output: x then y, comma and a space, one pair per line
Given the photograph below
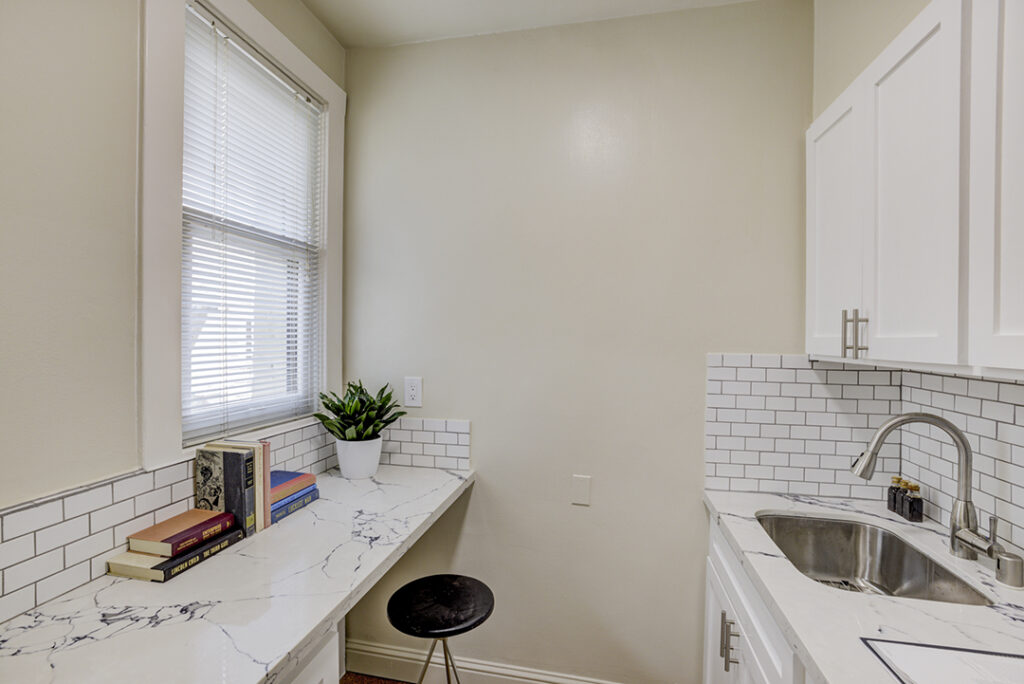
997, 176
715, 601
835, 221
912, 267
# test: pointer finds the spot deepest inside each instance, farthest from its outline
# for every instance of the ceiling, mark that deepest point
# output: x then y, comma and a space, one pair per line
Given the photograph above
377, 23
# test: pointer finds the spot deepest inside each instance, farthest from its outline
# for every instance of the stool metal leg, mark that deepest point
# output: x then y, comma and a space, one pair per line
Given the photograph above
450, 658
447, 672
430, 654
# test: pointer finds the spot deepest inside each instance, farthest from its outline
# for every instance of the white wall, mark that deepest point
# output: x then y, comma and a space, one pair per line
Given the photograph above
848, 35
69, 73
553, 227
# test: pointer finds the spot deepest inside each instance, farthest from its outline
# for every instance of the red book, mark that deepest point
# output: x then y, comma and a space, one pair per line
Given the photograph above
181, 533
284, 483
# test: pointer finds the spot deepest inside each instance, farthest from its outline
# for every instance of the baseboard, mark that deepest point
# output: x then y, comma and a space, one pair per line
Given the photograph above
404, 664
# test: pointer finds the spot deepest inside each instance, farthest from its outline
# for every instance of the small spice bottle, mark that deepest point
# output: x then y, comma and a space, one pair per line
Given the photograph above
913, 504
893, 489
901, 496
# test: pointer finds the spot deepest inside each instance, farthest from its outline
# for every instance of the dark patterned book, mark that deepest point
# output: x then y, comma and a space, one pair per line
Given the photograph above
180, 533
225, 479
262, 471
280, 512
159, 569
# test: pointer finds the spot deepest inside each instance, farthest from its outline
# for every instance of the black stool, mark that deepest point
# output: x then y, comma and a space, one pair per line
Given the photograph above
438, 607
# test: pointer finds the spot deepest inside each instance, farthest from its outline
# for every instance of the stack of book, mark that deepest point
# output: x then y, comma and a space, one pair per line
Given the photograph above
234, 477
167, 549
289, 492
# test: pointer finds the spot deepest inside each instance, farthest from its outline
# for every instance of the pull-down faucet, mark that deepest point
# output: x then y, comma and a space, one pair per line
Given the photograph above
964, 540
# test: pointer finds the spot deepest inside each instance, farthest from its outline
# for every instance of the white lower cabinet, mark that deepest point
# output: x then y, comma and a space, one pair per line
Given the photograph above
323, 664
742, 642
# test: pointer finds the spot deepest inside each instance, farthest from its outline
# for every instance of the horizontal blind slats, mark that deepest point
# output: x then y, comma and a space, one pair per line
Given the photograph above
251, 186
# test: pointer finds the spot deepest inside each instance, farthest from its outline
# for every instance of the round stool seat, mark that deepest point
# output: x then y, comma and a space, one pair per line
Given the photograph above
440, 606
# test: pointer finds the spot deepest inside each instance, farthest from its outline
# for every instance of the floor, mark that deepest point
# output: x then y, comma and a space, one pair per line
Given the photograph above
353, 678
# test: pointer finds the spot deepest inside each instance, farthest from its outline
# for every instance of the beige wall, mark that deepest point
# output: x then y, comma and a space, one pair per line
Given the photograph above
553, 227
848, 35
68, 125
68, 269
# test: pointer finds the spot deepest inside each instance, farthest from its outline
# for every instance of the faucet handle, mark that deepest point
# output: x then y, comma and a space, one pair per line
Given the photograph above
993, 527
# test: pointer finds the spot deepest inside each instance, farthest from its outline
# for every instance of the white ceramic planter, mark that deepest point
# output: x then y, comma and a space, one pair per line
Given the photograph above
359, 460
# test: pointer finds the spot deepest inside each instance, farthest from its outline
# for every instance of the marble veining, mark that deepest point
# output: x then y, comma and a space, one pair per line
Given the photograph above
825, 625
250, 613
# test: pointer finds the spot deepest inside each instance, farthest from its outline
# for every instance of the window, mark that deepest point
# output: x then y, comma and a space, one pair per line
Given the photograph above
252, 205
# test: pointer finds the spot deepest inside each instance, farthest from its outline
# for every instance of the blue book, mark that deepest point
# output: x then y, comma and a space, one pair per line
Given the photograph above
277, 515
288, 499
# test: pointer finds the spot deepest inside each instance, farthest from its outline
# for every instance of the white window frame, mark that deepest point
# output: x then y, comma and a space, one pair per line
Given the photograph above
160, 208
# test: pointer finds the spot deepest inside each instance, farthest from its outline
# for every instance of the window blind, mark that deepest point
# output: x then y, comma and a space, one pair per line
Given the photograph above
251, 227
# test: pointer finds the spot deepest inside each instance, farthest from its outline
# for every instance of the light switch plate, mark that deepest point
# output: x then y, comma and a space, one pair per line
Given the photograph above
580, 495
413, 391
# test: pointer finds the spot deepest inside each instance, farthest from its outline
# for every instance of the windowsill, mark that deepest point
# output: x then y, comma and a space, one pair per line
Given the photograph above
250, 435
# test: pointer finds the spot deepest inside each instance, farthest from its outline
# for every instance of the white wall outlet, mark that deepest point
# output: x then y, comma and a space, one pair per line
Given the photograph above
580, 495
413, 391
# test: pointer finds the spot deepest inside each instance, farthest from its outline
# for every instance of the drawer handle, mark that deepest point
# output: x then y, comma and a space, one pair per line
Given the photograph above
725, 637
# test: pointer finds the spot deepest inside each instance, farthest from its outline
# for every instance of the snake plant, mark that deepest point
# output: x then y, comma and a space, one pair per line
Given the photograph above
359, 415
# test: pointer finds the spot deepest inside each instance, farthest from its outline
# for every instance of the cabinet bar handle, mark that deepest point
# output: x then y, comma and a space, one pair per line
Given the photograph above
727, 635
857, 346
846, 338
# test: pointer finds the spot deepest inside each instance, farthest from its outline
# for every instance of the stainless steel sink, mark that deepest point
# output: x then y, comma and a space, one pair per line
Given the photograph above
863, 558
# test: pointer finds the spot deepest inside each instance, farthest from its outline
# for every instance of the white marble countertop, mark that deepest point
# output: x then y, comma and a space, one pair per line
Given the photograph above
825, 625
249, 613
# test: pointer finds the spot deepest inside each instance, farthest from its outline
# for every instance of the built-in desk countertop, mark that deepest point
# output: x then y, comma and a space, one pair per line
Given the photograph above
250, 613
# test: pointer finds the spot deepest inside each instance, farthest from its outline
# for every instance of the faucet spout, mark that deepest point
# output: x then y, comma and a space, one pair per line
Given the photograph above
964, 516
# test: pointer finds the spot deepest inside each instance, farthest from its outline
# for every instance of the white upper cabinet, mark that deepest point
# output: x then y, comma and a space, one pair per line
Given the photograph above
913, 144
915, 213
836, 216
997, 185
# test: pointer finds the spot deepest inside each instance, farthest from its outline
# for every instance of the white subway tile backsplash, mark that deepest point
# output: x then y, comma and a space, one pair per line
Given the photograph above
170, 475
134, 525
23, 574
152, 500
88, 547
98, 565
88, 501
835, 413
111, 515
17, 602
410, 423
17, 550
170, 511
31, 519
61, 534
132, 486
62, 582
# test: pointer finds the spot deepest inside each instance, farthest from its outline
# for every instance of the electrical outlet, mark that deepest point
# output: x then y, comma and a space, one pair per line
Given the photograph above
580, 490
413, 391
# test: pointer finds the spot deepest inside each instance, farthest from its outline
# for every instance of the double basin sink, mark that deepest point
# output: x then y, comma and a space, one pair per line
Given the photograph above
859, 557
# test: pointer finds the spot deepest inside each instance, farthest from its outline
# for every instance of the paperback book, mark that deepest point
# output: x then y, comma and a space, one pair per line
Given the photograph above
159, 569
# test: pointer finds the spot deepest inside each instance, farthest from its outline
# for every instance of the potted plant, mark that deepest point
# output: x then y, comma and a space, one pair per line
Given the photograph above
359, 418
